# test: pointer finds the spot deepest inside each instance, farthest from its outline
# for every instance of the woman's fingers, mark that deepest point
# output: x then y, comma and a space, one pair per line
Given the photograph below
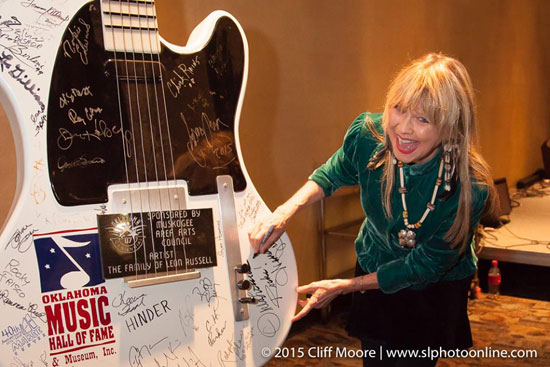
307, 305
269, 239
323, 303
256, 235
323, 292
304, 311
311, 287
264, 234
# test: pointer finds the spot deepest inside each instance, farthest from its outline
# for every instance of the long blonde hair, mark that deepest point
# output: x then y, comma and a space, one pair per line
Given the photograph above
440, 87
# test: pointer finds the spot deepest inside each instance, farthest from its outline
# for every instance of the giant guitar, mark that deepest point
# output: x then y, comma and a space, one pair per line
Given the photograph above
127, 244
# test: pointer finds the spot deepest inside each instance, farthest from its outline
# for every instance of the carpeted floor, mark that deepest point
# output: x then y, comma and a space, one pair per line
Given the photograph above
508, 323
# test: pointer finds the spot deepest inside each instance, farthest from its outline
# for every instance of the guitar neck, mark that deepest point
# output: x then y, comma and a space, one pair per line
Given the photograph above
130, 26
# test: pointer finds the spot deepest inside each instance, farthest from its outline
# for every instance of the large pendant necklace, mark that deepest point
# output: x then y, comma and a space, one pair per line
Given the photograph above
407, 237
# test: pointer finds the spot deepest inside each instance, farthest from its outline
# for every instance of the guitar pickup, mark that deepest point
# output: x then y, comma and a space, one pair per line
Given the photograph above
134, 70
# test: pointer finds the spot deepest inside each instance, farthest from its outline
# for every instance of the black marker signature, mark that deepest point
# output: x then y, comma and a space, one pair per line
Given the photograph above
206, 291
137, 354
235, 348
51, 16
187, 320
20, 237
271, 288
214, 332
31, 308
19, 74
128, 304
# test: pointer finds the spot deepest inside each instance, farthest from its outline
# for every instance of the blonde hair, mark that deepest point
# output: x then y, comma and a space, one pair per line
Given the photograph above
439, 86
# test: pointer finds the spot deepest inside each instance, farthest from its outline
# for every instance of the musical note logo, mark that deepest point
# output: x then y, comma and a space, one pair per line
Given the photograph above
67, 261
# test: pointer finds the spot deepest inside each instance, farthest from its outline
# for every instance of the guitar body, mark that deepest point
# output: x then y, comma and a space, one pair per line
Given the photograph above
144, 140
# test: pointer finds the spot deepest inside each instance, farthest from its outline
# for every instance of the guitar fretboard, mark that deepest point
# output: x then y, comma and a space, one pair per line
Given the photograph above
130, 26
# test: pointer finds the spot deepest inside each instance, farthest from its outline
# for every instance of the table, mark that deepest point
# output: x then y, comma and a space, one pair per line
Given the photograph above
526, 239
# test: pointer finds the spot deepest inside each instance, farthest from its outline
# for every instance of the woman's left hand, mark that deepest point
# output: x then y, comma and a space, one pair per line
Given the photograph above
323, 292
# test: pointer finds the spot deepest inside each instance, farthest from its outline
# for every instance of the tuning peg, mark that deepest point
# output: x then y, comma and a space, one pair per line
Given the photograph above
244, 284
243, 268
248, 300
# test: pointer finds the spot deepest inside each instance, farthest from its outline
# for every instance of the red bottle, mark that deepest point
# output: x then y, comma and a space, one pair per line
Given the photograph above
494, 279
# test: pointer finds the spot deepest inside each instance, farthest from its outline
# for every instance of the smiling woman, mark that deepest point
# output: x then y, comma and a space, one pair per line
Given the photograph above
414, 251
429, 106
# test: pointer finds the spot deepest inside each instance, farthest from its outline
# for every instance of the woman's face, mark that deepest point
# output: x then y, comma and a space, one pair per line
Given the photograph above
413, 138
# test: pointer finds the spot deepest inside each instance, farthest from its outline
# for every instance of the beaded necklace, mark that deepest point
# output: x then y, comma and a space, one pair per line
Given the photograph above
407, 237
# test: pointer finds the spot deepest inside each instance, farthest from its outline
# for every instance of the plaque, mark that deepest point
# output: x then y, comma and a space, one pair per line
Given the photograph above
156, 242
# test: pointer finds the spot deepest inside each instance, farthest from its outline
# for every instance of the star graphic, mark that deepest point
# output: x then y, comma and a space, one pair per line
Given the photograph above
88, 256
47, 266
52, 250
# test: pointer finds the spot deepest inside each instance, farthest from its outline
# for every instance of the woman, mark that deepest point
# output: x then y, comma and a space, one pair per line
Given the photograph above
423, 189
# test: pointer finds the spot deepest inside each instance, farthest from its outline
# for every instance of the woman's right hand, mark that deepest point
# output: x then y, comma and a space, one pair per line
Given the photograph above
267, 231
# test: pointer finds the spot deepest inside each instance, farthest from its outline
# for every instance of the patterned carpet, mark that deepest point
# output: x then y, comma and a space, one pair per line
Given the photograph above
507, 323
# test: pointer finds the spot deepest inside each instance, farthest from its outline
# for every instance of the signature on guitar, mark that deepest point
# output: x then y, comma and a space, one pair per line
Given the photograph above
128, 304
78, 44
20, 239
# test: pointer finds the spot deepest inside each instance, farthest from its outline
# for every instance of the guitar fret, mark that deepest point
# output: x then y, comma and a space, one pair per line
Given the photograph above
118, 14
148, 2
134, 9
131, 27
124, 21
145, 2
134, 41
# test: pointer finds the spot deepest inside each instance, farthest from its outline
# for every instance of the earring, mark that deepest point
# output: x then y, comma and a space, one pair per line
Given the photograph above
449, 166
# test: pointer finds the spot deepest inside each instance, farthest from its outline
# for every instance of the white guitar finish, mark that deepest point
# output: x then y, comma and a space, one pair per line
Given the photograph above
185, 323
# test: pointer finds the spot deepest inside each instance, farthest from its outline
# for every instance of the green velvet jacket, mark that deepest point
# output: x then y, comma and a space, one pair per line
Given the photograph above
377, 247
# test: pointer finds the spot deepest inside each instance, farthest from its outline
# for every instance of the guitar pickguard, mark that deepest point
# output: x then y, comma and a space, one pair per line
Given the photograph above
175, 121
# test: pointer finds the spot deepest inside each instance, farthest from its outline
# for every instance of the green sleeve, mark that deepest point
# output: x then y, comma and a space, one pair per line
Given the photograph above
341, 169
428, 261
